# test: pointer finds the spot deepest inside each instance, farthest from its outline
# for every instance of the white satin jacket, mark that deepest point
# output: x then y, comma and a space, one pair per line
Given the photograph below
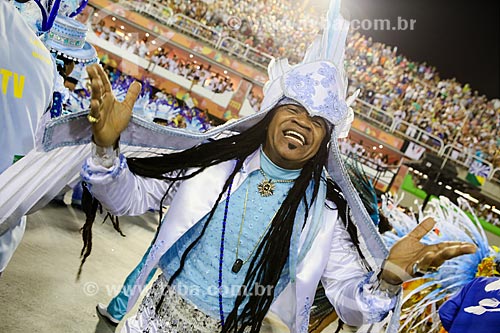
331, 257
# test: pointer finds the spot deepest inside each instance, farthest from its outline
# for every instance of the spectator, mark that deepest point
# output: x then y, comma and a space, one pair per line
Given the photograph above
474, 309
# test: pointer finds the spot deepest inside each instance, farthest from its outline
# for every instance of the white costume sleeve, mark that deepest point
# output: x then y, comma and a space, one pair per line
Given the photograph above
120, 191
352, 290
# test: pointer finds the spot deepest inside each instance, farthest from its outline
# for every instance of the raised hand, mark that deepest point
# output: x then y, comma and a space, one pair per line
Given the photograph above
108, 116
409, 257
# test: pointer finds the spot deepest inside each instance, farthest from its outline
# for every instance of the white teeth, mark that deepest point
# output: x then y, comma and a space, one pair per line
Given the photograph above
299, 138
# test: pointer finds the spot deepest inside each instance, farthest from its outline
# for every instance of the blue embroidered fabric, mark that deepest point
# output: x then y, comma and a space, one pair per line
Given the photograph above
302, 87
56, 109
329, 74
316, 88
304, 315
198, 281
376, 301
87, 173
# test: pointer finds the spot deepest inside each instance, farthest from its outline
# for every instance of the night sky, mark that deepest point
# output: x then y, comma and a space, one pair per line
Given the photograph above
461, 38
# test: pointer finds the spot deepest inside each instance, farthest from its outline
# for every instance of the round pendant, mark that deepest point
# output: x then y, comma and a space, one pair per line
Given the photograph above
266, 188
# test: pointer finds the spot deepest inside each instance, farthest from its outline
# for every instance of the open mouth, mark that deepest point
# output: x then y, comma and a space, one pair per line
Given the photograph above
295, 136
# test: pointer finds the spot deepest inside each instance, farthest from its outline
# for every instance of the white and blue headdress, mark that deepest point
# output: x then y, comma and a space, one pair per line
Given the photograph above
41, 14
67, 36
36, 15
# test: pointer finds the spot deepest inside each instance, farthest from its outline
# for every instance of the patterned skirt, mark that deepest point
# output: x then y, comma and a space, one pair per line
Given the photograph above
175, 314
178, 316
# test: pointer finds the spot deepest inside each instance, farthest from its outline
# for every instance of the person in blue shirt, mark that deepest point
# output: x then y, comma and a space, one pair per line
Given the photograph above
475, 308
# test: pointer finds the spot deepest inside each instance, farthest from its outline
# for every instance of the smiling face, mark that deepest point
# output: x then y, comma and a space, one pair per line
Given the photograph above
293, 136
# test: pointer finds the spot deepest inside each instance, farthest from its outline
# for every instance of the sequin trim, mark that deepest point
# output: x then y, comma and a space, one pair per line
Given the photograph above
175, 314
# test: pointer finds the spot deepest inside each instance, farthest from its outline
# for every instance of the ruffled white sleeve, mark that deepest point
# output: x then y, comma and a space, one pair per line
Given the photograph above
353, 291
118, 189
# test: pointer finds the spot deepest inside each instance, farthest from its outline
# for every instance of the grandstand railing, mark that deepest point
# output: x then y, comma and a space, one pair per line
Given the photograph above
157, 10
412, 132
458, 155
192, 27
495, 175
387, 122
161, 13
421, 136
195, 29
241, 50
137, 6
373, 114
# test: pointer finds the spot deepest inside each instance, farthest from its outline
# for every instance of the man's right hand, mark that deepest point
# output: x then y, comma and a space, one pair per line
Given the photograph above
108, 116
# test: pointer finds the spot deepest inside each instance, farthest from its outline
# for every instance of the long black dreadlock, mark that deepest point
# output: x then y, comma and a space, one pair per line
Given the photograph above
164, 166
271, 255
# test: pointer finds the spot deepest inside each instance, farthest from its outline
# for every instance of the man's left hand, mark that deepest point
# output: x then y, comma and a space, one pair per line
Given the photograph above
409, 258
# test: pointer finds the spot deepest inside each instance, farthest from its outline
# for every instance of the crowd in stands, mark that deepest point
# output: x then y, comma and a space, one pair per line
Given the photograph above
367, 155
279, 28
160, 106
254, 100
482, 211
409, 91
200, 74
167, 59
414, 93
153, 104
489, 216
165, 109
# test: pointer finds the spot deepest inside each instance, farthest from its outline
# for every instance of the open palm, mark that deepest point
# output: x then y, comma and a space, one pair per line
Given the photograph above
112, 117
409, 251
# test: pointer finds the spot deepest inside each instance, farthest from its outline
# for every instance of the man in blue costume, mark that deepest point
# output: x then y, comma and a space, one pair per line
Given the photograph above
268, 180
261, 216
256, 223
